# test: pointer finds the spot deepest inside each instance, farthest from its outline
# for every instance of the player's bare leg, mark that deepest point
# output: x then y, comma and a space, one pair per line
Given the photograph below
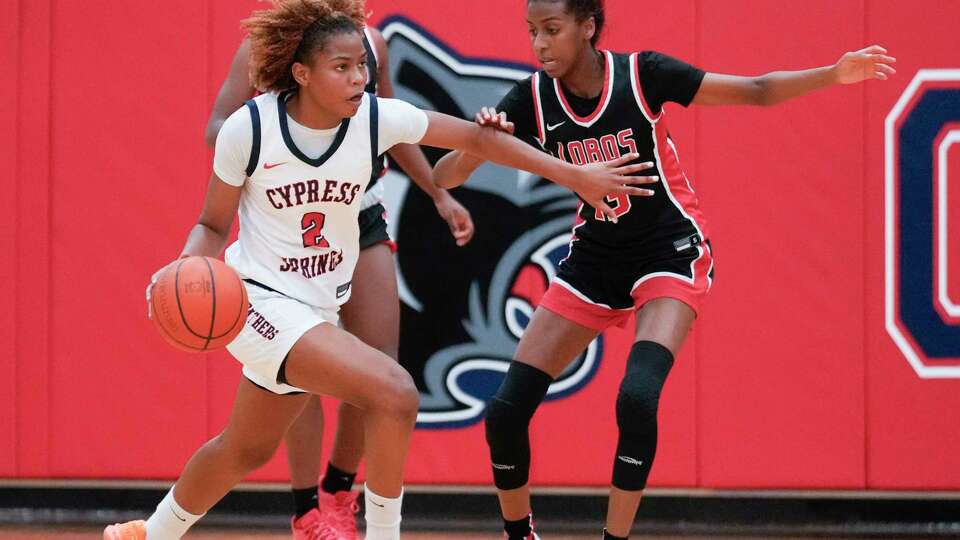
328, 360
665, 321
304, 445
373, 315
550, 343
257, 424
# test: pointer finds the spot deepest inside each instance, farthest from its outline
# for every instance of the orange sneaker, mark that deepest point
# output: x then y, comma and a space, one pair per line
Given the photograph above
131, 530
339, 511
311, 526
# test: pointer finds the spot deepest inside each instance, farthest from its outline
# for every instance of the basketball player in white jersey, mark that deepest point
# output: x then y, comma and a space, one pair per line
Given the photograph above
295, 162
372, 313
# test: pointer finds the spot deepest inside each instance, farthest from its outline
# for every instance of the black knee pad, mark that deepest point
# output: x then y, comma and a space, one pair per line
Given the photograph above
507, 421
648, 365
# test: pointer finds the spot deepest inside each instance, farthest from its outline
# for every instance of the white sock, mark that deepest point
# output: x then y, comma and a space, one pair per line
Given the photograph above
170, 521
382, 515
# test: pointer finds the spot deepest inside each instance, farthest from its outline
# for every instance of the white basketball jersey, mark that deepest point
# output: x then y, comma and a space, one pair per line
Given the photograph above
298, 213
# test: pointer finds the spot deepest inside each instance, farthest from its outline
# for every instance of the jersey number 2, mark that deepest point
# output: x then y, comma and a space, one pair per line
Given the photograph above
312, 225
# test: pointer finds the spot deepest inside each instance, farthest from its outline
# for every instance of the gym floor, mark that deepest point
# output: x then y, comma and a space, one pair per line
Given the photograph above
72, 533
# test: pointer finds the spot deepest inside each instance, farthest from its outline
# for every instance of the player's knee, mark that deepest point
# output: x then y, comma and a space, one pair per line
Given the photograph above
398, 396
248, 454
636, 409
503, 422
637, 402
639, 396
506, 428
507, 421
510, 410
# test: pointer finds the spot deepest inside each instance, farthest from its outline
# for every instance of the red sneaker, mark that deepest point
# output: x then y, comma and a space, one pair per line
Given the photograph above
131, 530
339, 511
312, 526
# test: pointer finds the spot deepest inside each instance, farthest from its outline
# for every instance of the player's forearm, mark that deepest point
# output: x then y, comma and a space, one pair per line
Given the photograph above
205, 240
496, 146
491, 144
415, 164
454, 169
780, 86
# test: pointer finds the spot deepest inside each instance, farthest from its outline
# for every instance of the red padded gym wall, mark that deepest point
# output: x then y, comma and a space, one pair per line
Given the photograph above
782, 361
790, 379
913, 440
10, 29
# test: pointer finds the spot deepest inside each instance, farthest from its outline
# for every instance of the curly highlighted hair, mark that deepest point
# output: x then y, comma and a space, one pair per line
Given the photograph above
291, 31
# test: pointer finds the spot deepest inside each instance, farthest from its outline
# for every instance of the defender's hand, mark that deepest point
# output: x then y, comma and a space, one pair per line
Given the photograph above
869, 63
594, 182
489, 117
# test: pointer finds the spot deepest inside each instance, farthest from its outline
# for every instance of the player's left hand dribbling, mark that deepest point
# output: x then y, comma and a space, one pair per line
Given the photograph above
153, 281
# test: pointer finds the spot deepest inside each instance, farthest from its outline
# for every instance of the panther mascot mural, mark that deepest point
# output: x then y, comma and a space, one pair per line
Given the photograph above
463, 310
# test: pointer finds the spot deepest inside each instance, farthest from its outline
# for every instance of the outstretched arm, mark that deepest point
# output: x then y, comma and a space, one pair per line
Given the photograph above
235, 90
779, 86
593, 182
456, 167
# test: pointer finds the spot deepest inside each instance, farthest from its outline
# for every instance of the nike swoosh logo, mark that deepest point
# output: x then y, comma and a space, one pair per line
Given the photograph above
172, 511
630, 460
268, 166
555, 126
375, 502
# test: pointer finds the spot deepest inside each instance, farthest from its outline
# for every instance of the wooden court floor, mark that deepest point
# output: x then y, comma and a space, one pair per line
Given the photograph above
73, 533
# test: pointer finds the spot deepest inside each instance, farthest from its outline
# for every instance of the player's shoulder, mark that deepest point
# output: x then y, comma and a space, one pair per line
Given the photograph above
389, 103
649, 57
395, 110
242, 119
266, 99
521, 90
238, 122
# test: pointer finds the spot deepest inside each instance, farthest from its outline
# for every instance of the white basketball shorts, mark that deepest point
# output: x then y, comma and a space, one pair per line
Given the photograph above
274, 324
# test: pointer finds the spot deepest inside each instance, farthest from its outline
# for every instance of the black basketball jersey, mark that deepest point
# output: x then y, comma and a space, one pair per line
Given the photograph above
380, 165
627, 117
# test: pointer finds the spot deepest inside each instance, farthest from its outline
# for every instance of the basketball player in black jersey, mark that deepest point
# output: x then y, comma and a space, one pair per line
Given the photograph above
372, 314
651, 255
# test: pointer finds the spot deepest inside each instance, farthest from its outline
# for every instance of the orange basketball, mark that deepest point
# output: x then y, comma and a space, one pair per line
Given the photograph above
199, 304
